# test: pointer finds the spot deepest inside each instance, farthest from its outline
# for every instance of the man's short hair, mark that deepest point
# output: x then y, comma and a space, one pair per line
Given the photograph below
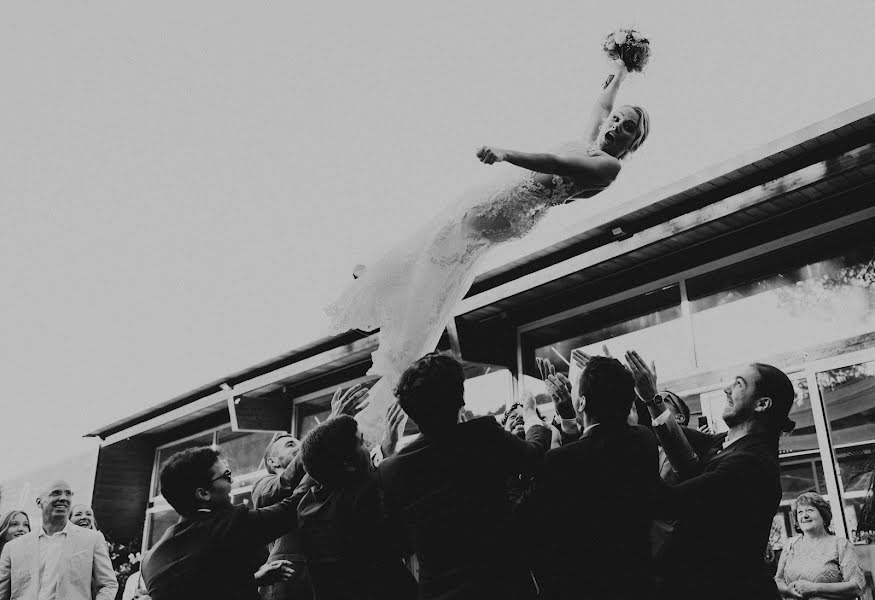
267, 451
679, 405
773, 383
431, 391
183, 474
609, 390
328, 448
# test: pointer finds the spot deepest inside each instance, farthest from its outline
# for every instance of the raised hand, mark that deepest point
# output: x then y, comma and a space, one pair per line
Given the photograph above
645, 377
274, 572
349, 402
580, 358
396, 419
489, 155
545, 367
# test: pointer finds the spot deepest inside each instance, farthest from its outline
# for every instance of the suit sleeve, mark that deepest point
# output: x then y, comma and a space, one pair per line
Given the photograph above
524, 456
271, 490
102, 573
5, 573
732, 472
686, 462
263, 525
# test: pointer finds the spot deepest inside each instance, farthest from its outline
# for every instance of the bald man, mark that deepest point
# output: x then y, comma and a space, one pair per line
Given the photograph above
59, 560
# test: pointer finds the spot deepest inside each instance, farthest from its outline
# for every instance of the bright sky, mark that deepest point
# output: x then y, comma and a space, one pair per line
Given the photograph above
184, 185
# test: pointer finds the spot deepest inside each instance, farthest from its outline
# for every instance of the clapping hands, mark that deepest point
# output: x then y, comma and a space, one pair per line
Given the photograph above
558, 387
645, 376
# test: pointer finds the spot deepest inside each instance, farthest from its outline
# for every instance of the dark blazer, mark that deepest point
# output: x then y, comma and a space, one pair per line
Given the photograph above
270, 490
724, 519
215, 554
351, 557
446, 497
592, 500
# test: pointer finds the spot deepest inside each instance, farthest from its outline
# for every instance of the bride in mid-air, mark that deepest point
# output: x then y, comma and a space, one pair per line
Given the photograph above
410, 293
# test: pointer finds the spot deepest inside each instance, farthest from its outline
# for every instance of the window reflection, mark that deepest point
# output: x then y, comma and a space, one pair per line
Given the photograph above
488, 390
849, 401
650, 324
817, 303
800, 475
243, 450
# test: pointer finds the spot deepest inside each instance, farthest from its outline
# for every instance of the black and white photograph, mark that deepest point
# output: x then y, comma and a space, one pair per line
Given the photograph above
437, 300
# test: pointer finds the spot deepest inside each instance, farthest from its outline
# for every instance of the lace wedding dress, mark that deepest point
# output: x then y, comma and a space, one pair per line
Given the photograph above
411, 292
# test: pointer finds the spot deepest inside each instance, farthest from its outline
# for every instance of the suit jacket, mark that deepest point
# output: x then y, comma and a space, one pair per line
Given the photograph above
215, 554
724, 518
84, 563
350, 555
446, 499
267, 491
592, 500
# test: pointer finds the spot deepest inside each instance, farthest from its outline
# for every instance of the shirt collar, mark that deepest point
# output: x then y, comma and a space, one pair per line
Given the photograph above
67, 529
590, 427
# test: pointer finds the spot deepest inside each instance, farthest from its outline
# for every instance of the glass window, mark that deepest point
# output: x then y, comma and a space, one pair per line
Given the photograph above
164, 454
243, 450
817, 303
650, 324
312, 415
488, 390
802, 438
159, 522
799, 475
849, 401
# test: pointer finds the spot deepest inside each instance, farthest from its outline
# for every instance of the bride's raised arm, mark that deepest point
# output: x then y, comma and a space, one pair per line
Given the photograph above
604, 104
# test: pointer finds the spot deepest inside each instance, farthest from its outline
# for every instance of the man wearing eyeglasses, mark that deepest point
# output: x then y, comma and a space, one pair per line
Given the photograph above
59, 560
215, 549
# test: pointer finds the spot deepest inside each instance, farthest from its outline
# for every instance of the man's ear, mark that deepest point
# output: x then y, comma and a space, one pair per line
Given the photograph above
581, 404
763, 404
202, 494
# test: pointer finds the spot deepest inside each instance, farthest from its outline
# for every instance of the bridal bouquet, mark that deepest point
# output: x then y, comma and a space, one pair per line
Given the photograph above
629, 45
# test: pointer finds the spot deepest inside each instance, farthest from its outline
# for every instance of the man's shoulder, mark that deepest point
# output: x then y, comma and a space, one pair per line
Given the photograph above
82, 533
20, 543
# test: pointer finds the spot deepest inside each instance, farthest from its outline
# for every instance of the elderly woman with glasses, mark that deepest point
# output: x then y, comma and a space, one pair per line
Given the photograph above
817, 564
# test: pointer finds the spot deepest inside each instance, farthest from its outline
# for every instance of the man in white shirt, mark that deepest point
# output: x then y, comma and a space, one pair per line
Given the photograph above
59, 560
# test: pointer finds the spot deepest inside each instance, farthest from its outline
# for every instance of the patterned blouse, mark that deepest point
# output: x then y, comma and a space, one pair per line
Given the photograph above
832, 561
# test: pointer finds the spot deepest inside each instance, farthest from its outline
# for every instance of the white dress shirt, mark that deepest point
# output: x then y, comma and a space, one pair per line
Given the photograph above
50, 547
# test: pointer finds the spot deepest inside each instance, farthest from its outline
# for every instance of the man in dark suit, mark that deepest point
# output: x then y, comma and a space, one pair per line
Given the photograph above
592, 493
446, 491
216, 548
341, 522
285, 470
736, 484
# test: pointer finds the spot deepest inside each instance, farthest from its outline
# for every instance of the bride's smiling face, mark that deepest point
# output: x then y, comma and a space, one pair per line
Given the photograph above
619, 131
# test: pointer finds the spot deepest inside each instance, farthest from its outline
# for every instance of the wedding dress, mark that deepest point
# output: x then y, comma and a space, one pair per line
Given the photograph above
411, 292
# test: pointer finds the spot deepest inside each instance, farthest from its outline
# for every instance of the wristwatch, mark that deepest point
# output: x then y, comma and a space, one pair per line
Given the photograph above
656, 401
